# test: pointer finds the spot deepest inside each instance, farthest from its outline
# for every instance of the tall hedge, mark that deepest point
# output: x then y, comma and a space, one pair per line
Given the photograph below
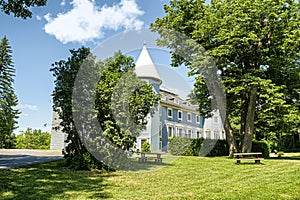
209, 147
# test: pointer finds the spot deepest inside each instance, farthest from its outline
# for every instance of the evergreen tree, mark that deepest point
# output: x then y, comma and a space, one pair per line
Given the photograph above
8, 99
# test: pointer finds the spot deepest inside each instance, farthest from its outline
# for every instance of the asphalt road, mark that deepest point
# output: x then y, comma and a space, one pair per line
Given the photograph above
10, 158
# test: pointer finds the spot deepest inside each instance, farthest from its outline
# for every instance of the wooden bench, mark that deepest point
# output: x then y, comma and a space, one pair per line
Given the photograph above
145, 156
248, 156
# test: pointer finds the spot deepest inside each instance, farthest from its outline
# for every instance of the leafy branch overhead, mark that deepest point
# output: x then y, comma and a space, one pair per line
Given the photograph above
20, 8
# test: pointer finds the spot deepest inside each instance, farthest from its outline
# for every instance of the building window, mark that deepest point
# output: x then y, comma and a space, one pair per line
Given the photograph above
160, 136
160, 129
215, 119
189, 133
170, 113
179, 132
207, 134
216, 134
198, 134
189, 117
197, 119
170, 131
179, 115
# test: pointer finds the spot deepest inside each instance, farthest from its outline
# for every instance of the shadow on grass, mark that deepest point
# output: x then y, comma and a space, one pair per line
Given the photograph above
250, 163
146, 166
286, 158
51, 181
136, 166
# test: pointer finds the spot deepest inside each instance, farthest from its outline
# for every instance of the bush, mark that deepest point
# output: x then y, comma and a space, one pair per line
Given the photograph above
212, 148
280, 154
261, 146
180, 146
146, 147
198, 146
194, 148
82, 162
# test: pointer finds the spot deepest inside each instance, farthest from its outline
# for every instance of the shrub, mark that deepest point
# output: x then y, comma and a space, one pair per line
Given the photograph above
280, 154
261, 146
82, 162
211, 147
194, 148
198, 146
179, 145
146, 147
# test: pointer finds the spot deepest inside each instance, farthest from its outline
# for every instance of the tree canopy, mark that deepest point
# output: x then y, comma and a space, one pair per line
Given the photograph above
115, 107
33, 139
255, 46
20, 8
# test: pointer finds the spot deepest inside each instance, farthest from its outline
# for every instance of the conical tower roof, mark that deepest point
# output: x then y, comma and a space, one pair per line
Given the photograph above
144, 66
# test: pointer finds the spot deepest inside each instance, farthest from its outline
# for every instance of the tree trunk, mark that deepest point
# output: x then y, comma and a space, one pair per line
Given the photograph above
249, 126
217, 89
230, 137
244, 109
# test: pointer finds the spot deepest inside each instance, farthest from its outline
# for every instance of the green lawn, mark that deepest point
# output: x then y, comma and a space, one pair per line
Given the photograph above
185, 178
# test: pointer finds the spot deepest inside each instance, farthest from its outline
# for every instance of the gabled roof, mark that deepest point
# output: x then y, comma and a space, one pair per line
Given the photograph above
144, 66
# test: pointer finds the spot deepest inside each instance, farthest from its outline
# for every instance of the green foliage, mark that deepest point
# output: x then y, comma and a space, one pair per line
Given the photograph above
20, 8
120, 103
255, 46
280, 154
261, 146
83, 162
8, 98
65, 73
198, 147
218, 148
33, 139
209, 147
146, 147
194, 148
179, 145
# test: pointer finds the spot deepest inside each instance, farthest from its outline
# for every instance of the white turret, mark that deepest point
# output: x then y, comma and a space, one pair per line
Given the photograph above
146, 70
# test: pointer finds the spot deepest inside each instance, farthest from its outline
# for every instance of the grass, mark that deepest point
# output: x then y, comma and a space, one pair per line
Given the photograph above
185, 178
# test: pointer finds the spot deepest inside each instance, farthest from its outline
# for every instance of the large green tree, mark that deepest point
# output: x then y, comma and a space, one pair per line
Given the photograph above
8, 98
20, 8
255, 46
102, 105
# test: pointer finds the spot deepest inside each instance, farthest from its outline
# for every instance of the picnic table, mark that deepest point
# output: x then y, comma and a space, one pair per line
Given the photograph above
156, 156
248, 156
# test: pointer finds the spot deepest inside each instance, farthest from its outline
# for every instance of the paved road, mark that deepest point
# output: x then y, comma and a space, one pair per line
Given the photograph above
10, 158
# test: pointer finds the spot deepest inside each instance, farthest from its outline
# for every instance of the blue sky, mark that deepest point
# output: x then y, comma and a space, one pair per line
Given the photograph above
53, 30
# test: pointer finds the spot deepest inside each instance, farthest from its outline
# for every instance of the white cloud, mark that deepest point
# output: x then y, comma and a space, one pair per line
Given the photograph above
63, 3
27, 106
86, 22
38, 17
